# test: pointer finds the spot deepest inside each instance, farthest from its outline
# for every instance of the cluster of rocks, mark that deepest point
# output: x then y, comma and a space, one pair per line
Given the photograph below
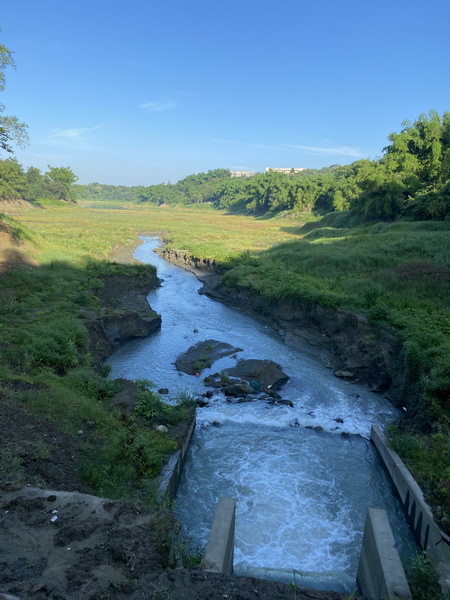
248, 380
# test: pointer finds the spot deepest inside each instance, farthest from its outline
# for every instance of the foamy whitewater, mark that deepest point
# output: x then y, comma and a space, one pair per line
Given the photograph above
302, 494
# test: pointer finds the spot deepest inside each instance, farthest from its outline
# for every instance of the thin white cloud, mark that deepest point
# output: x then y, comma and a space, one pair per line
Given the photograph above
73, 134
322, 150
69, 139
327, 150
160, 105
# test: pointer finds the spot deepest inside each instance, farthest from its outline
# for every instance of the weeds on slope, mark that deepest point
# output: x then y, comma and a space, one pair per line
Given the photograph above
46, 368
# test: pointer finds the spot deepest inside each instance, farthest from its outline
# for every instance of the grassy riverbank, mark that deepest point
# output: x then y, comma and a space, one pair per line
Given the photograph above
398, 274
57, 423
72, 233
64, 428
48, 379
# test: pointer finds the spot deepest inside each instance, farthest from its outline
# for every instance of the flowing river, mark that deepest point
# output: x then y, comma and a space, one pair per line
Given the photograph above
303, 477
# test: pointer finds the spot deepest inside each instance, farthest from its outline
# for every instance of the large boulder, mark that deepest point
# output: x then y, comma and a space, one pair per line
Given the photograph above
267, 373
237, 389
203, 355
124, 324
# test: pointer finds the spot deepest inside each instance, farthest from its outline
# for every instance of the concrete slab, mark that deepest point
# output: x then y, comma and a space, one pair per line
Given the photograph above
380, 572
220, 549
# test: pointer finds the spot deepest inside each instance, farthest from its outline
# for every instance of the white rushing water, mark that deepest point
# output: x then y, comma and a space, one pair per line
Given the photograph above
302, 494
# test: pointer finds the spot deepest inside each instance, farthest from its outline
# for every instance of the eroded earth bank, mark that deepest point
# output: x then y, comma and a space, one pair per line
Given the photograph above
353, 348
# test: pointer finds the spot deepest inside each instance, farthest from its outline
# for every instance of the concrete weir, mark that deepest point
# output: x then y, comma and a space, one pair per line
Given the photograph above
432, 540
380, 572
220, 549
170, 477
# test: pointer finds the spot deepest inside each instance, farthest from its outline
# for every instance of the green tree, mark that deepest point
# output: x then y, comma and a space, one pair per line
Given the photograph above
421, 149
160, 194
101, 191
35, 184
306, 193
12, 179
431, 203
420, 156
11, 129
232, 195
59, 183
382, 192
202, 187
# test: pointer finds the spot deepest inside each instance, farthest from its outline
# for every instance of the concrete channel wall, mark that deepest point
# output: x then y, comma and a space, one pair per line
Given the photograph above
380, 572
171, 475
219, 552
430, 538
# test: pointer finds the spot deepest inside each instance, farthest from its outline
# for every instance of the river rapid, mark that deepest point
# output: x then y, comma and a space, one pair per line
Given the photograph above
303, 477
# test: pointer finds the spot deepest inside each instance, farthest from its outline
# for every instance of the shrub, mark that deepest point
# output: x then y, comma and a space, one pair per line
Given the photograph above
423, 580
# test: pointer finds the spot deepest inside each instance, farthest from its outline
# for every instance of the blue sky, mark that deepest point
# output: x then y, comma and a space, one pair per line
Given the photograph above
143, 92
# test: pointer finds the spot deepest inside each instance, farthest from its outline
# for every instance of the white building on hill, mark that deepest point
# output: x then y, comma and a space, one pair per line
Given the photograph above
291, 171
241, 173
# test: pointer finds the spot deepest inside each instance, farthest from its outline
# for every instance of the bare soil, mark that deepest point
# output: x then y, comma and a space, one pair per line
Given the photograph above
11, 253
67, 545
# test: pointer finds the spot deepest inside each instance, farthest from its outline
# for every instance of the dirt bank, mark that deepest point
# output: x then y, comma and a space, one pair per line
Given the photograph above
125, 313
12, 254
17, 206
63, 545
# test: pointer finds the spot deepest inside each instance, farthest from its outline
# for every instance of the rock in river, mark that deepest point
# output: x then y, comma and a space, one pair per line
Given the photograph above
268, 374
251, 379
203, 355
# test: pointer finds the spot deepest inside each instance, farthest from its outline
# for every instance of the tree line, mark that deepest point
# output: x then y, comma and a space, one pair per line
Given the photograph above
412, 179
101, 191
193, 189
33, 185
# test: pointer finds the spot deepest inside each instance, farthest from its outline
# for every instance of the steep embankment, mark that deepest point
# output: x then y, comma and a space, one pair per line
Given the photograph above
124, 314
347, 342
16, 206
12, 252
